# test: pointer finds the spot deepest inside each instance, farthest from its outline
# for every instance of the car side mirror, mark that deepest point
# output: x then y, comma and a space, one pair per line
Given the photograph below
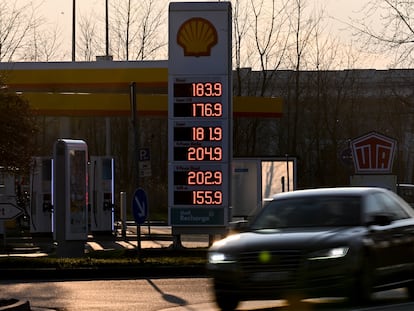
238, 226
380, 220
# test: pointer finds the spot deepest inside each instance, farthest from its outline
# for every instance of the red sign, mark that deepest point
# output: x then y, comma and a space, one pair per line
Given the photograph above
373, 153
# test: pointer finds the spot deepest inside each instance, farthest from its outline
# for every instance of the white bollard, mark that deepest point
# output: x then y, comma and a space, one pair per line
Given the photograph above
123, 214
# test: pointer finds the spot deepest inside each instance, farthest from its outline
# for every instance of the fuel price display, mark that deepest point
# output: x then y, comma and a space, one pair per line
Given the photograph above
199, 185
199, 130
199, 140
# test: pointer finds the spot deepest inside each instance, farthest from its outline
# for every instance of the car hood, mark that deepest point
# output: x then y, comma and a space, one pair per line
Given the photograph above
288, 239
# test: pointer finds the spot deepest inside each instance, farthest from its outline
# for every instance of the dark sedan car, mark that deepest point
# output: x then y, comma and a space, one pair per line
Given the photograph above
339, 242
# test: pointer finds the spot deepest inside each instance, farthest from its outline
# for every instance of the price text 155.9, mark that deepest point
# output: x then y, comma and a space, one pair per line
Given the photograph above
207, 197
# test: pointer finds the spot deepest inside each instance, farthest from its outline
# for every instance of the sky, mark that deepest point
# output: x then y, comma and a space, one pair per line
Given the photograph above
60, 12
62, 9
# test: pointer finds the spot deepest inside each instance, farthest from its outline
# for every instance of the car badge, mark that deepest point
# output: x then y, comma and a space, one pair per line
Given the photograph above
265, 257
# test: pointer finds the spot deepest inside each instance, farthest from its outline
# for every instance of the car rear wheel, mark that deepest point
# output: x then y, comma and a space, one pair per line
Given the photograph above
410, 290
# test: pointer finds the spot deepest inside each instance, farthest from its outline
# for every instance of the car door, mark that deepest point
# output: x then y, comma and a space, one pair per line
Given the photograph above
379, 239
401, 238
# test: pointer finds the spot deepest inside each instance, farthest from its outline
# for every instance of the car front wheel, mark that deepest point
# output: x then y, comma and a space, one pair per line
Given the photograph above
224, 300
361, 290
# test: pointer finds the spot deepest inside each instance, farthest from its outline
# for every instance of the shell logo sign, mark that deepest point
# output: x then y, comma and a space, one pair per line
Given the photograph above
373, 153
197, 36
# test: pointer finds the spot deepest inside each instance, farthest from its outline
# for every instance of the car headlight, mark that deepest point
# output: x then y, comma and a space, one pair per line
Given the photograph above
330, 253
216, 257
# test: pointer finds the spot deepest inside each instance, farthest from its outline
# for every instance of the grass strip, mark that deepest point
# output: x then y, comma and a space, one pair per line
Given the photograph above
111, 259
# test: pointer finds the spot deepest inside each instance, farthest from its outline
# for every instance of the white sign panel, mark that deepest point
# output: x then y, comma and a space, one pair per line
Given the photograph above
199, 37
199, 113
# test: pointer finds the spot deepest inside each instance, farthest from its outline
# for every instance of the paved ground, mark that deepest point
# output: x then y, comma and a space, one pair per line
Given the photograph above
151, 237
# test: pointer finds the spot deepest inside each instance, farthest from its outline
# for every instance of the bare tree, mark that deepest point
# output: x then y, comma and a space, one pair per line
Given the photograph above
240, 26
45, 44
261, 39
136, 29
270, 37
16, 22
88, 43
302, 29
387, 28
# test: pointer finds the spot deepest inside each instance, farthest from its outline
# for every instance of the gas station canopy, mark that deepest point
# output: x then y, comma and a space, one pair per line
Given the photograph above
103, 88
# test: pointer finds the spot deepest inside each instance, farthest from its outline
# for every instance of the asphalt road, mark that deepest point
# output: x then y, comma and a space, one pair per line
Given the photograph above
162, 294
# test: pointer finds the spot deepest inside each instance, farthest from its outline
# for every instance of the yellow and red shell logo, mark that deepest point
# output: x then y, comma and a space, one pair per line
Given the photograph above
197, 36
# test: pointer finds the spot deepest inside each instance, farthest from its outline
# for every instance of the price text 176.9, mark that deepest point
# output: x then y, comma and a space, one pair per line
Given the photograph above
207, 110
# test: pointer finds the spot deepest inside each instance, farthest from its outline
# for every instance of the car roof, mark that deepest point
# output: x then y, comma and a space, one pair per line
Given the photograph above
343, 191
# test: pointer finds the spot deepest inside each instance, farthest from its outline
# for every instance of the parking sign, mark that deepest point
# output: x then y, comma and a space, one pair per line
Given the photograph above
140, 206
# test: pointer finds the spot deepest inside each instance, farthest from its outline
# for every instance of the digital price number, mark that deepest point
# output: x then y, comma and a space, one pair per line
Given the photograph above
198, 109
198, 89
198, 133
198, 197
198, 153
198, 178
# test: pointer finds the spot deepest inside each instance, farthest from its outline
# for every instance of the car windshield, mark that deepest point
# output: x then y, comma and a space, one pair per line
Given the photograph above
309, 212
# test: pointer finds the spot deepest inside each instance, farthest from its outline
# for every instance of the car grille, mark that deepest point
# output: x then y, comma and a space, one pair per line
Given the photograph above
270, 270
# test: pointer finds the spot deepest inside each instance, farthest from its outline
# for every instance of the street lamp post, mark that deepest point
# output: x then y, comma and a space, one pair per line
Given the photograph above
73, 29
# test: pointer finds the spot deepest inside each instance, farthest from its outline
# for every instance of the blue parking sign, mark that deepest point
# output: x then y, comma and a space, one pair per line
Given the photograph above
140, 206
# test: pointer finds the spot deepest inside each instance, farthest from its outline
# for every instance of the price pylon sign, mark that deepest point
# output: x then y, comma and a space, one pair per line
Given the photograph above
199, 114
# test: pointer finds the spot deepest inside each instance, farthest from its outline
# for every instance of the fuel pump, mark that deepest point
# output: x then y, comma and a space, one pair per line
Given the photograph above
41, 204
70, 197
101, 194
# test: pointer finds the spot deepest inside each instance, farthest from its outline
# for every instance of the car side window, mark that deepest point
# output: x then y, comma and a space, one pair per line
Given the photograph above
393, 207
373, 206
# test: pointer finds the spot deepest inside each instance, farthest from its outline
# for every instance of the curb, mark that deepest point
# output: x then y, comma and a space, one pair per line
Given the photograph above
14, 305
102, 273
